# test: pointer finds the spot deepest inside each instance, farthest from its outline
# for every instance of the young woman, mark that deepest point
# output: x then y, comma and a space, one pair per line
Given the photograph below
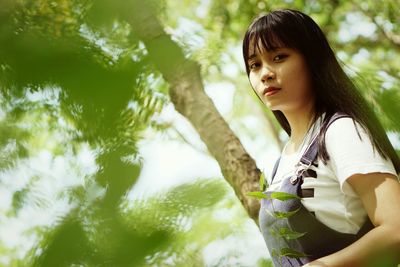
338, 159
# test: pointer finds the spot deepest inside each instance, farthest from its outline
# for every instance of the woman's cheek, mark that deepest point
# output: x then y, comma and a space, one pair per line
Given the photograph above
253, 81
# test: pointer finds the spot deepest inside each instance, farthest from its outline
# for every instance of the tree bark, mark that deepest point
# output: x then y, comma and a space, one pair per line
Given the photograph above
189, 98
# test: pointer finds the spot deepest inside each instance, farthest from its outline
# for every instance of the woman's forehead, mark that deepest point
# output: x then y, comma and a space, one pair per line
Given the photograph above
259, 47
261, 44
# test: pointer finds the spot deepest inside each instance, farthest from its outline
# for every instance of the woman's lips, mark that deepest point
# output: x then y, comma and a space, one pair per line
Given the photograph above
269, 91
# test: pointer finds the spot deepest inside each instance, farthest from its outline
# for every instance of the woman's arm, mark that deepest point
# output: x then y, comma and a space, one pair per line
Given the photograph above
380, 194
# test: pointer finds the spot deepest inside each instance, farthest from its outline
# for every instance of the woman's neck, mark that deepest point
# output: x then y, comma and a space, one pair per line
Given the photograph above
300, 122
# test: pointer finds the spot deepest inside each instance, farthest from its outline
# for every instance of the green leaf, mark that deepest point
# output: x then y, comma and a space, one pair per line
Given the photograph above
263, 184
291, 253
257, 194
283, 196
274, 253
286, 233
274, 195
281, 215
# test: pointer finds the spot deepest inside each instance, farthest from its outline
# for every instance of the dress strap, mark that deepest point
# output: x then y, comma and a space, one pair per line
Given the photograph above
275, 169
311, 152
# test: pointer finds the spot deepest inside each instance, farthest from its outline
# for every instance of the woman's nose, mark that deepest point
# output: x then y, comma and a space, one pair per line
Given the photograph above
267, 74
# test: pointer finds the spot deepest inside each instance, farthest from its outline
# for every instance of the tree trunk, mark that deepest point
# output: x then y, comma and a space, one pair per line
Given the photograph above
188, 96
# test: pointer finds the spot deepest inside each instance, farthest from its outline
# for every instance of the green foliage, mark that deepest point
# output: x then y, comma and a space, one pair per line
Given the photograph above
274, 195
10, 148
129, 234
185, 213
97, 87
102, 97
283, 215
259, 195
286, 233
283, 196
287, 252
265, 263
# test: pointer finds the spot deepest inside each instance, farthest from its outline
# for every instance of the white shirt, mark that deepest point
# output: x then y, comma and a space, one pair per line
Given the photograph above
335, 203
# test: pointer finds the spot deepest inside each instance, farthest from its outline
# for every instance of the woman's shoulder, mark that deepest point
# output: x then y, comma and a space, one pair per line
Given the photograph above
346, 128
351, 150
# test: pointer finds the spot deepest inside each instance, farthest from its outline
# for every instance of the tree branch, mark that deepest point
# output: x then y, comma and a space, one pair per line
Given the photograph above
187, 94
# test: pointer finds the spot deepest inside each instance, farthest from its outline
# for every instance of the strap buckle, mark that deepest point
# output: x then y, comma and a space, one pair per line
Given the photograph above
301, 167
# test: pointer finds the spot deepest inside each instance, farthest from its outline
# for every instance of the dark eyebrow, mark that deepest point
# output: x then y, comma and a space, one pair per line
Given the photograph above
252, 56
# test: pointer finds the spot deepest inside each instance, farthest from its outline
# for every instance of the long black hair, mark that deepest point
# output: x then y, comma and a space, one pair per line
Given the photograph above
333, 89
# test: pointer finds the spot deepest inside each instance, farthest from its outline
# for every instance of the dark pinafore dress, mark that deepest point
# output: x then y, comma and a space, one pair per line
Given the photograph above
293, 234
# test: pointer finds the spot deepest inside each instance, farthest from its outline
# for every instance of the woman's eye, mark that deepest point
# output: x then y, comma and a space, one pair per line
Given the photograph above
279, 58
254, 65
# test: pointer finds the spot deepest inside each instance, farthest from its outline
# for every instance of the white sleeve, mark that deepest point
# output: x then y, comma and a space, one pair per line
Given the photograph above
351, 155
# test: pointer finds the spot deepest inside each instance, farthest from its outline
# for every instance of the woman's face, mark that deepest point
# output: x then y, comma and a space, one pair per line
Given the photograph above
281, 78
